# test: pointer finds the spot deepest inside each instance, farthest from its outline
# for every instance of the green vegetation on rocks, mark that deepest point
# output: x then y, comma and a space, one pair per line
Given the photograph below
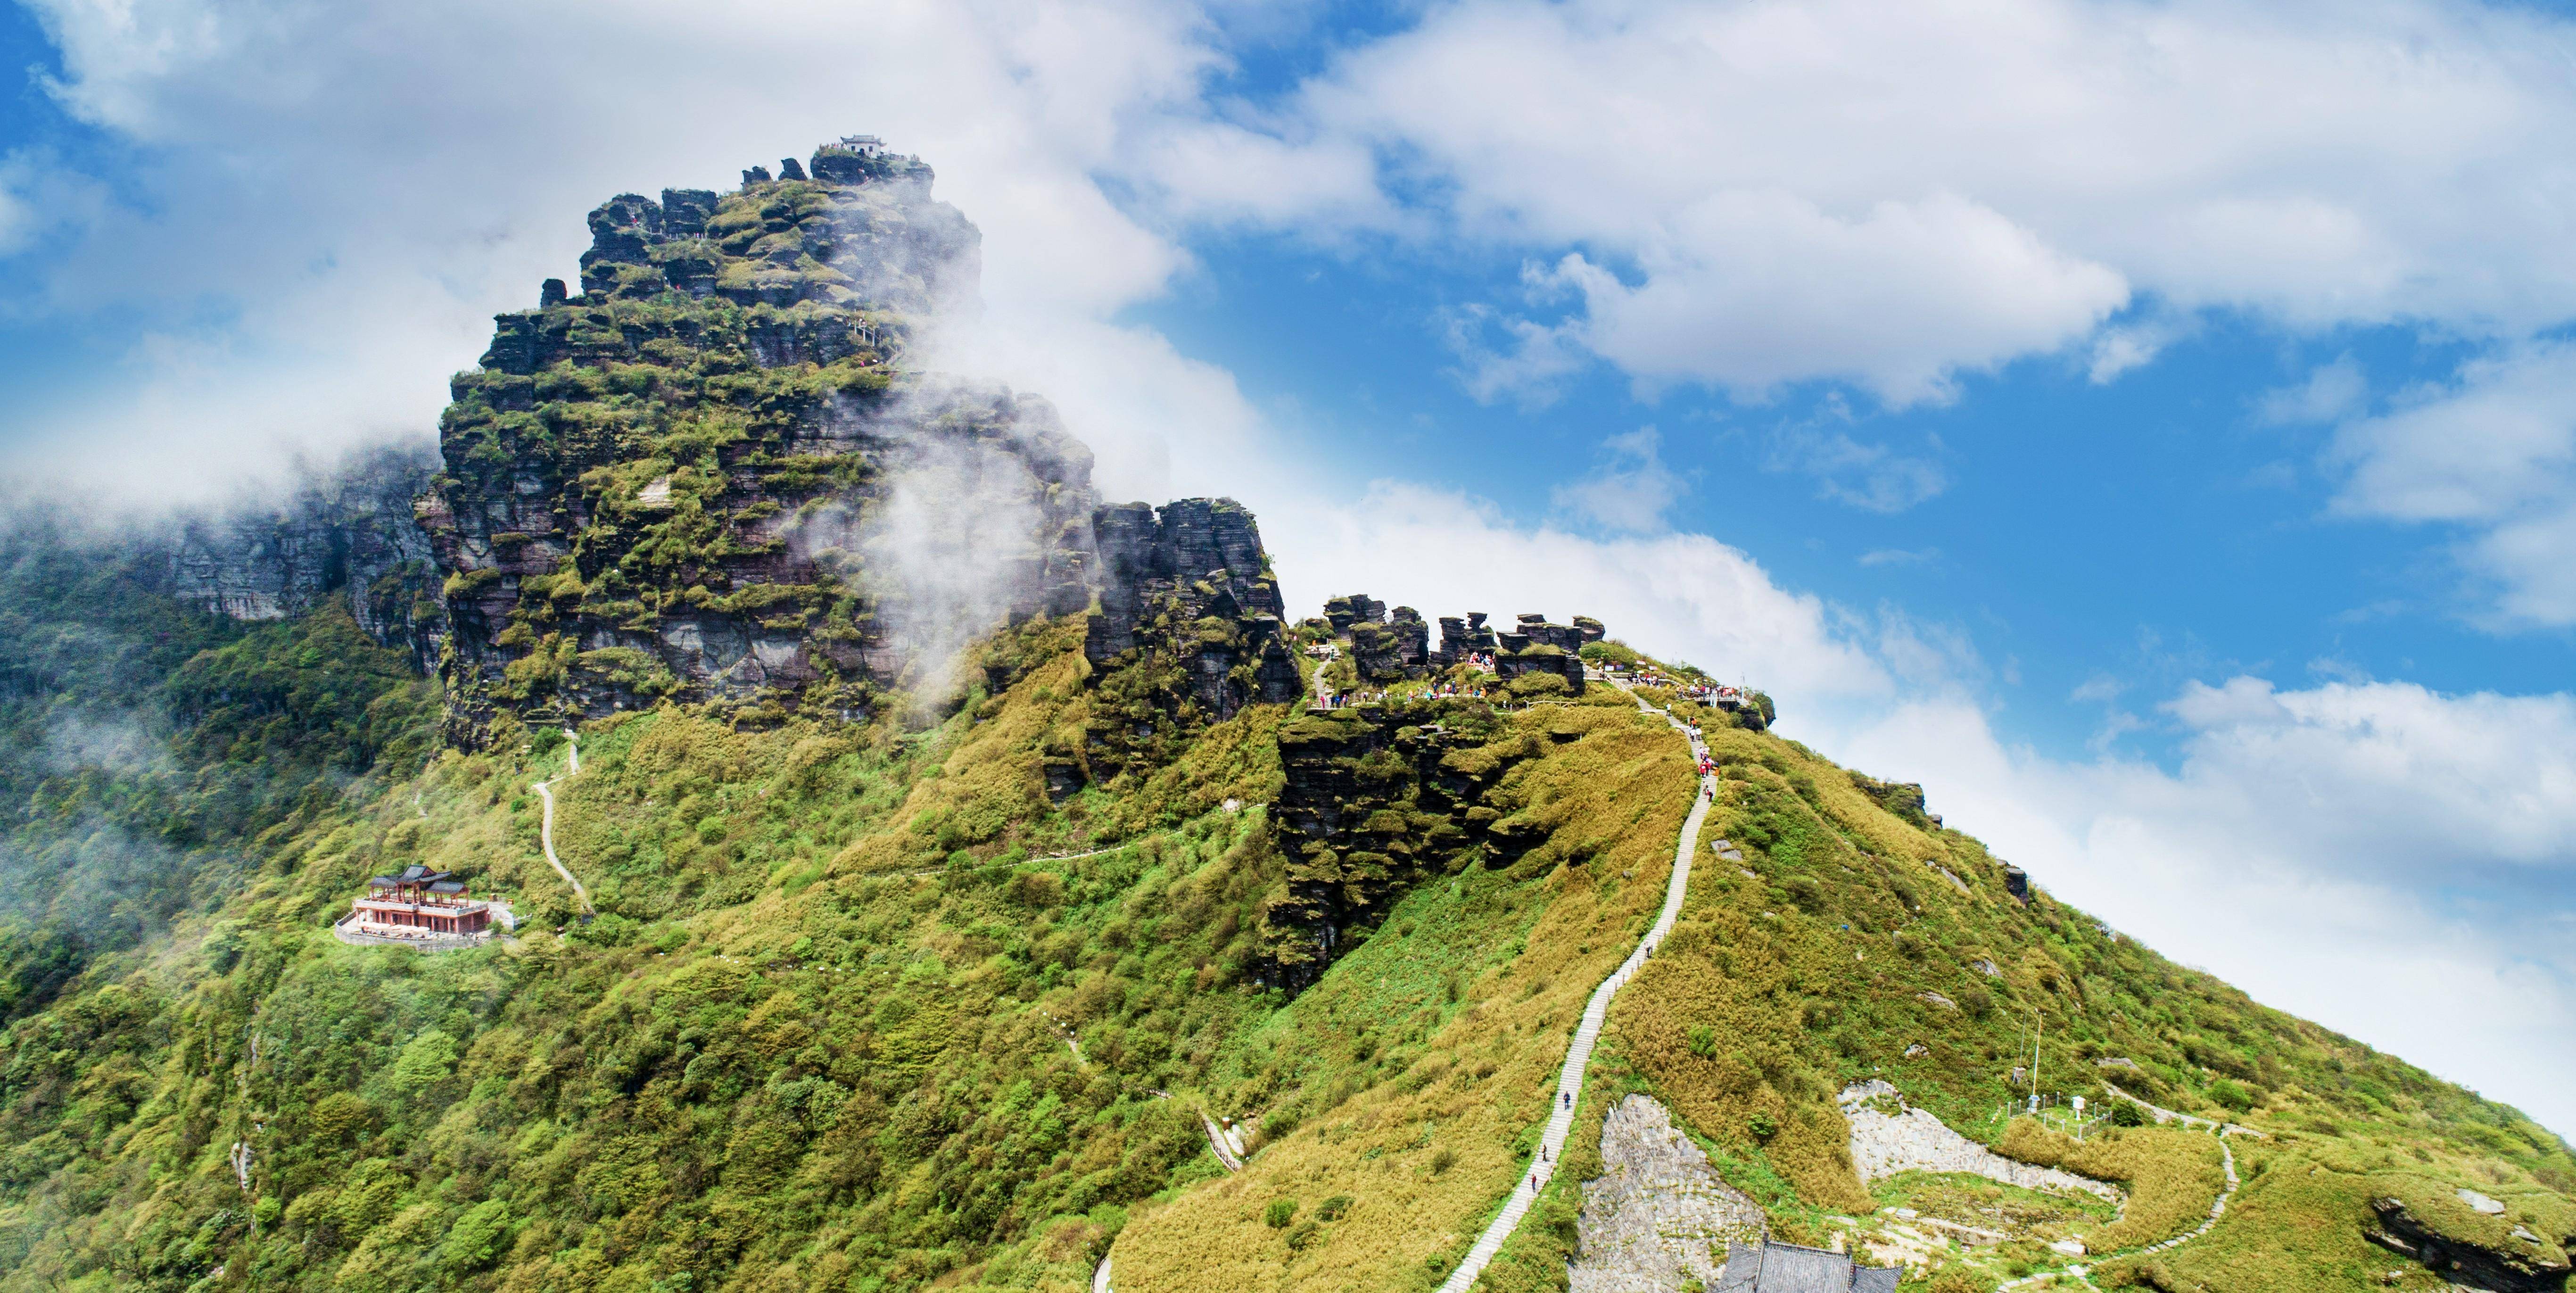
925, 961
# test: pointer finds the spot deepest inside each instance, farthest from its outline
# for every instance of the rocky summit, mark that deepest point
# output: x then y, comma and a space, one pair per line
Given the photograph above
743, 814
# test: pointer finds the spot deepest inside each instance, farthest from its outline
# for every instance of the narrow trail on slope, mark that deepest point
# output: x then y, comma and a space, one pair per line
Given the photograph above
1578, 1056
2217, 1208
546, 825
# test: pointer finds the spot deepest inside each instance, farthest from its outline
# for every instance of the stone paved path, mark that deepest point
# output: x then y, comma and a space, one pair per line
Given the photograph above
2165, 1115
1578, 1056
546, 825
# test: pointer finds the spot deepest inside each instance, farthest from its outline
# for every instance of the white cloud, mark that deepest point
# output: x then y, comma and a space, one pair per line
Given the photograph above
2331, 393
2135, 344
1794, 189
1530, 365
1755, 289
1900, 556
1631, 489
356, 220
2492, 454
1871, 477
1684, 595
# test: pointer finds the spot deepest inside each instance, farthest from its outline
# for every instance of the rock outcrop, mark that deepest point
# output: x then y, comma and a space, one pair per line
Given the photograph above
1535, 646
2467, 1263
1188, 630
1373, 803
709, 478
1657, 1215
348, 532
1889, 1136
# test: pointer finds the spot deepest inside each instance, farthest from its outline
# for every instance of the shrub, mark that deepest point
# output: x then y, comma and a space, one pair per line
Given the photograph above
1960, 1279
2228, 1095
1279, 1213
1531, 686
1761, 1126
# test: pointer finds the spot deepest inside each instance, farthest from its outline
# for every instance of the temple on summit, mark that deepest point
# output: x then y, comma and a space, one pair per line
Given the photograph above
419, 903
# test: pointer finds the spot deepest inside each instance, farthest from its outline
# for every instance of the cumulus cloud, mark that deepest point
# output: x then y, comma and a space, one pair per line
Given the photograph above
1834, 189
2491, 456
1630, 490
1751, 290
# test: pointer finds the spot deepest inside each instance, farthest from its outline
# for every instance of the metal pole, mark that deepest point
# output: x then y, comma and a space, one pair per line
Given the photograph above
2037, 1022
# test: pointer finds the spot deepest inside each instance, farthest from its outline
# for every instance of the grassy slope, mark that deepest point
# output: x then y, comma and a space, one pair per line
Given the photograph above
804, 1045
1785, 984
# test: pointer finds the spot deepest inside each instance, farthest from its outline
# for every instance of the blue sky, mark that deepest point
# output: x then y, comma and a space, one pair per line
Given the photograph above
2146, 530
2153, 426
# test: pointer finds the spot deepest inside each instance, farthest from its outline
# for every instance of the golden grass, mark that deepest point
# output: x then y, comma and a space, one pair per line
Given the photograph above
2173, 1176
1475, 1095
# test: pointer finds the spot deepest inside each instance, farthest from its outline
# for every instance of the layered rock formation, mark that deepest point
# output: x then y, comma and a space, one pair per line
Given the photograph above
1373, 802
1188, 631
708, 478
1385, 649
349, 532
2514, 1263
1536, 646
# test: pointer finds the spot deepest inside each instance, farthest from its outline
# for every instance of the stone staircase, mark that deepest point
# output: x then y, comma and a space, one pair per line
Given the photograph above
1578, 1056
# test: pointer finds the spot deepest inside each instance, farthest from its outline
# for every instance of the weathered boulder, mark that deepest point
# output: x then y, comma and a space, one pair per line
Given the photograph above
1358, 608
2464, 1262
1412, 641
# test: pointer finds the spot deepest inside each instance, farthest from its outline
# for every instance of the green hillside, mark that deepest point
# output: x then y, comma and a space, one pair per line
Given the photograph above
905, 978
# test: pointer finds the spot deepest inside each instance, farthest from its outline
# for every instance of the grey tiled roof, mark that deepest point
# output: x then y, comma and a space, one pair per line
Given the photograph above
1789, 1268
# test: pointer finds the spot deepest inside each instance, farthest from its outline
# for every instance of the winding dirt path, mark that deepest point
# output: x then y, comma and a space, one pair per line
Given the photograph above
546, 825
2217, 1209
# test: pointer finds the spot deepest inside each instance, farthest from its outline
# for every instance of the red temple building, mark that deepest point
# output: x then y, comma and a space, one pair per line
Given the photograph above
420, 903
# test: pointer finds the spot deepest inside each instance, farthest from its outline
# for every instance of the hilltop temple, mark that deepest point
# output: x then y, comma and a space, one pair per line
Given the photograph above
419, 903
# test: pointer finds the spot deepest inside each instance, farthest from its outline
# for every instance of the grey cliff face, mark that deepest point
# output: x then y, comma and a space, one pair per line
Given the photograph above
348, 533
1162, 572
711, 477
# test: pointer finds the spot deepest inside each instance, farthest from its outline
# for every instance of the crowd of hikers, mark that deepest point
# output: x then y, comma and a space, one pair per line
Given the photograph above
1444, 691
